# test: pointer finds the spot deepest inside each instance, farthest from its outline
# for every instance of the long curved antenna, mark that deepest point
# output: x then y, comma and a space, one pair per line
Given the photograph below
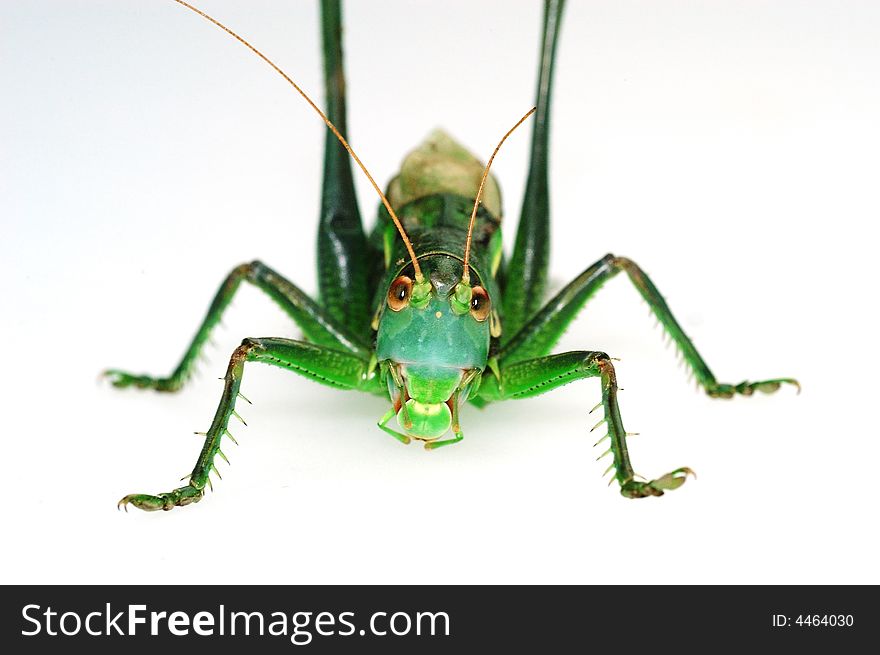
397, 223
466, 276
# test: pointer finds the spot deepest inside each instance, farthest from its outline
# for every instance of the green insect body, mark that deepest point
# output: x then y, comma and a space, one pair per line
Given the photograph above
442, 327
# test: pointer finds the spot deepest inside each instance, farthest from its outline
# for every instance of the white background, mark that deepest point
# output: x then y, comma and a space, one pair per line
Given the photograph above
728, 147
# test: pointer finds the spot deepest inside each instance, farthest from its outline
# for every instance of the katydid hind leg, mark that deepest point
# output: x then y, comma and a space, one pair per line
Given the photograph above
545, 328
330, 367
315, 323
344, 260
532, 377
525, 275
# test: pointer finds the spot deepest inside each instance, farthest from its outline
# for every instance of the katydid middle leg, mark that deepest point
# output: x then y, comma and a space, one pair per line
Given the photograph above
334, 368
542, 332
532, 377
530, 331
317, 325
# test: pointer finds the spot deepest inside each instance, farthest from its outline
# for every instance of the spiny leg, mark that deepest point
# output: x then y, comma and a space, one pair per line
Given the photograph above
532, 377
315, 323
324, 365
343, 256
523, 279
525, 276
542, 332
693, 359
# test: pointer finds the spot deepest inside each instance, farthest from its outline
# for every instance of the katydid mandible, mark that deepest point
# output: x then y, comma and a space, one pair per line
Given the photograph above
423, 309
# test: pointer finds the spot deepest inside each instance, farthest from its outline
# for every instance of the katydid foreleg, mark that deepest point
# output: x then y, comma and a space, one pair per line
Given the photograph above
533, 377
317, 325
543, 330
327, 366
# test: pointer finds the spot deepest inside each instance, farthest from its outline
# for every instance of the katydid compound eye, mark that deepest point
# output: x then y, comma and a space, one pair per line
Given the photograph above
479, 304
399, 293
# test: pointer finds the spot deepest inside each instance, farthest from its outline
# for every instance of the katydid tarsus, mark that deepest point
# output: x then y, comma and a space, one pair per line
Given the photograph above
424, 309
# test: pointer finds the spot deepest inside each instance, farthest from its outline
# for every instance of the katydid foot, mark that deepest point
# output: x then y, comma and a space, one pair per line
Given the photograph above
177, 498
635, 489
746, 388
121, 380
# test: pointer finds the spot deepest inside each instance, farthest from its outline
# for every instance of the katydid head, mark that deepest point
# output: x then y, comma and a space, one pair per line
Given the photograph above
433, 335
433, 343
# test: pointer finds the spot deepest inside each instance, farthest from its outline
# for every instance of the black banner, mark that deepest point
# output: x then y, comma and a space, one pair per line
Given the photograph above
435, 619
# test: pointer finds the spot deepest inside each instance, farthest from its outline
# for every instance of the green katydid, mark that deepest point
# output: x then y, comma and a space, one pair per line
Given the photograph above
424, 310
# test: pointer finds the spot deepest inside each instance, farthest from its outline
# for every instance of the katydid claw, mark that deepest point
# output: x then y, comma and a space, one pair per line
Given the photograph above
166, 501
747, 388
121, 379
635, 489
